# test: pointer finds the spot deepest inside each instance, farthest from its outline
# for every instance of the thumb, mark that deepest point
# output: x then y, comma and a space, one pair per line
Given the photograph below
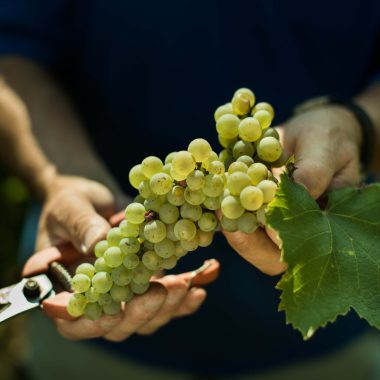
315, 166
75, 219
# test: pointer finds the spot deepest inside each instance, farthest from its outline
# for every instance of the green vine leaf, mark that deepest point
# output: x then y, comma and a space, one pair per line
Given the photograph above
333, 255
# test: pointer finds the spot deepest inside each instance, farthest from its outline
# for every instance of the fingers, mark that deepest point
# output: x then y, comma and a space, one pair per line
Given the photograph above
177, 289
138, 312
72, 217
192, 302
257, 249
83, 328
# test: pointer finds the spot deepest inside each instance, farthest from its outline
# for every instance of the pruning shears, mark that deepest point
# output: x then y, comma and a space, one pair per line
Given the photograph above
46, 281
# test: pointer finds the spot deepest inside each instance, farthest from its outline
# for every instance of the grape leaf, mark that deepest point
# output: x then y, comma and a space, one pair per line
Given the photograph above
333, 255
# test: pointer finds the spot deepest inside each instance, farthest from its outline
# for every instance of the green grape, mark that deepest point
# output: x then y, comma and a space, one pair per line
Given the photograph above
141, 231
131, 261
213, 157
214, 185
129, 229
246, 160
231, 207
151, 260
76, 305
194, 197
168, 213
169, 157
179, 251
87, 269
212, 203
176, 176
155, 231
167, 169
170, 232
250, 129
165, 248
264, 118
113, 256
151, 165
229, 225
142, 274
139, 288
247, 223
183, 163
247, 94
195, 180
208, 222
226, 143
138, 199
240, 105
242, 148
269, 149
114, 235
216, 167
190, 245
260, 215
100, 247
120, 293
251, 198
257, 172
153, 204
129, 245
112, 309
237, 166
223, 157
271, 132
191, 212
169, 263
144, 189
161, 183
263, 106
92, 295
135, 213
176, 196
200, 149
268, 189
237, 182
80, 283
205, 238
93, 311
101, 266
136, 176
228, 126
102, 282
104, 299
185, 229
222, 110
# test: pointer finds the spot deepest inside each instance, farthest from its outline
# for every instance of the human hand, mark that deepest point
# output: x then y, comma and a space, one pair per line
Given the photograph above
77, 210
326, 144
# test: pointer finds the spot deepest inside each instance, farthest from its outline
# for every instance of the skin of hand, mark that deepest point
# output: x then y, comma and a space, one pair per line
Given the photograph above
326, 143
76, 210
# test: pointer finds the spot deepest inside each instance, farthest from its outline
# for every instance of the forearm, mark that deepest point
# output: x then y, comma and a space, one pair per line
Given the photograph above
55, 123
19, 150
370, 101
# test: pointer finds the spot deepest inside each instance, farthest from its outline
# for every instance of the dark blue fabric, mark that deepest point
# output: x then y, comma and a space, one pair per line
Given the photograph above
146, 77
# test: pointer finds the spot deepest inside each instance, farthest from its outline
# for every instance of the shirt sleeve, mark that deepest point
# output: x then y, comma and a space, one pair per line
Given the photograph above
35, 29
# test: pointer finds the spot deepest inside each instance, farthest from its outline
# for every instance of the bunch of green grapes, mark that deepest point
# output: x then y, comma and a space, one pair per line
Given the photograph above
175, 211
251, 149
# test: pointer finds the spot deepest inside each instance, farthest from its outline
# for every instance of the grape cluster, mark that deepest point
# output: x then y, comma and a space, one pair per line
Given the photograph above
174, 212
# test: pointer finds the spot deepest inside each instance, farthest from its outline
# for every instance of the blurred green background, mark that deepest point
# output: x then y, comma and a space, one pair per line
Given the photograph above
14, 200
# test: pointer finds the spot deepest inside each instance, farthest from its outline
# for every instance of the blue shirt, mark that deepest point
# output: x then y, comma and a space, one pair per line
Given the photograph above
146, 78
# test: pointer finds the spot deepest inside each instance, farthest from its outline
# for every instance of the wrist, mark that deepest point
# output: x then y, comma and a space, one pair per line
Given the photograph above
44, 180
